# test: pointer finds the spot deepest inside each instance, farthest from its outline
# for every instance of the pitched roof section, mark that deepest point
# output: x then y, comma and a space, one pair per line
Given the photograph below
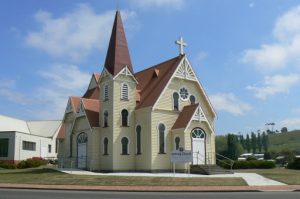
117, 56
62, 132
92, 93
91, 108
44, 128
185, 116
153, 80
75, 103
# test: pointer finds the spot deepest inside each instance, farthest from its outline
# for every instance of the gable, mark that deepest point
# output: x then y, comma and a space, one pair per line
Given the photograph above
184, 77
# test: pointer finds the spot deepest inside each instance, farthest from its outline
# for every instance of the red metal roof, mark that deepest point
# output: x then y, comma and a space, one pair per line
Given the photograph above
62, 132
117, 56
91, 108
153, 80
185, 116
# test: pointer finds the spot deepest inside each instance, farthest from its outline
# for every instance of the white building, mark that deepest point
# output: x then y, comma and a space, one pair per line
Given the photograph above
20, 139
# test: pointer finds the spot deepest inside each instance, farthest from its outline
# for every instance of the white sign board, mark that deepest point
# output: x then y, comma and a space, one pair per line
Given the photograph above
181, 156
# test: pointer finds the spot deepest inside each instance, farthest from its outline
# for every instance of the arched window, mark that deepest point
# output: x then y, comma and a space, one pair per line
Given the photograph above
105, 146
192, 99
175, 101
124, 114
105, 119
105, 92
161, 129
124, 142
82, 138
138, 139
124, 91
198, 133
177, 141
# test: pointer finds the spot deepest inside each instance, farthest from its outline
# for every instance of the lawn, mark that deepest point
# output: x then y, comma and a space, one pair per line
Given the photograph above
48, 176
287, 176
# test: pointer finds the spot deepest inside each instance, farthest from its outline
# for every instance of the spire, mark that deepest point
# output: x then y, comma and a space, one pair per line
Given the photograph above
117, 56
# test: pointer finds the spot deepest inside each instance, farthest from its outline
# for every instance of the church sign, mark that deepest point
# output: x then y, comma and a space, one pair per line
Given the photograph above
183, 156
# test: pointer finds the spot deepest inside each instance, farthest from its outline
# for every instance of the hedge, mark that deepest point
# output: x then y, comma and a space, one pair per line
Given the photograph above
294, 164
29, 163
251, 164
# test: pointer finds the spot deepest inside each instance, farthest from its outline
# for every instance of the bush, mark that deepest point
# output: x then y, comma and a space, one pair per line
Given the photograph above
294, 164
251, 158
6, 164
251, 164
267, 156
31, 163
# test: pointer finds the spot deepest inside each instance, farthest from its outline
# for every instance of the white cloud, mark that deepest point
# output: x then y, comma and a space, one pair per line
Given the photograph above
9, 92
291, 123
76, 33
286, 47
61, 81
228, 102
176, 4
275, 84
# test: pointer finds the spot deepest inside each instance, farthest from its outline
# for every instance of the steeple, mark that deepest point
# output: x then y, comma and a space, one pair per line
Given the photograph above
117, 56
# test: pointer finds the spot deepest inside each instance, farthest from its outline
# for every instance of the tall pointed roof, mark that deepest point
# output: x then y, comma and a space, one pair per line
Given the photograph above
117, 56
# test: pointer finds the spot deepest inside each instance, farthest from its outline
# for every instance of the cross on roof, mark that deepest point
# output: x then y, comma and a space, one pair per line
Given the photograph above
181, 44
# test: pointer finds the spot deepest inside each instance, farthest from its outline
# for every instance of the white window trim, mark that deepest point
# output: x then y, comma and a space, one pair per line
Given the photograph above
136, 140
175, 142
121, 92
165, 136
128, 122
104, 93
173, 101
188, 97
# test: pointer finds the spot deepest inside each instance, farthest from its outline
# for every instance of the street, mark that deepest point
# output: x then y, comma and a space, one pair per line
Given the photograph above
61, 194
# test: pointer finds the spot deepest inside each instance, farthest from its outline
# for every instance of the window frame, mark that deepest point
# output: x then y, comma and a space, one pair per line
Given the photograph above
127, 118
105, 119
173, 101
122, 96
106, 92
191, 100
161, 150
127, 151
177, 143
105, 146
138, 146
5, 152
28, 146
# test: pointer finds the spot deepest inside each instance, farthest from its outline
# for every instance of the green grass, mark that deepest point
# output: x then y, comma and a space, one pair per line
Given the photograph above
50, 177
287, 176
285, 141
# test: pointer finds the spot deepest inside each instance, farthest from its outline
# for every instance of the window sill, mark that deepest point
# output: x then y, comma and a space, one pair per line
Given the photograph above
124, 126
138, 154
105, 154
105, 127
125, 154
124, 99
162, 153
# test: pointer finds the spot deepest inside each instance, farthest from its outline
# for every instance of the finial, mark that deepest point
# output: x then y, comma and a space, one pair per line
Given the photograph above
181, 45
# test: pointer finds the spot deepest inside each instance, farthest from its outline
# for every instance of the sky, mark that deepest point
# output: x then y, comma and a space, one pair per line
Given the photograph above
244, 52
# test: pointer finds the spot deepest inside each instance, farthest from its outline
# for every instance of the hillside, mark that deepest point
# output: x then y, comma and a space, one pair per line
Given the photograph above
285, 141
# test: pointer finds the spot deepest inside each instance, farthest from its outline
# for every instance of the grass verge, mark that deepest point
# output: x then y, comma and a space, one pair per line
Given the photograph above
287, 176
48, 176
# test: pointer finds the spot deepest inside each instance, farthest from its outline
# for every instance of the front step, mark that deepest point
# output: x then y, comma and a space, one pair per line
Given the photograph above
209, 169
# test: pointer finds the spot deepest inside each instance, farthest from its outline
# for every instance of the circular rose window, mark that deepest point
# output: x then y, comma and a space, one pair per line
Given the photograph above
184, 94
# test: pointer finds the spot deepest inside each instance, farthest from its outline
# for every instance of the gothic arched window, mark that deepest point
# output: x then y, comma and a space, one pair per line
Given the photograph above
175, 101
192, 99
161, 129
105, 119
138, 139
177, 141
124, 114
124, 142
105, 146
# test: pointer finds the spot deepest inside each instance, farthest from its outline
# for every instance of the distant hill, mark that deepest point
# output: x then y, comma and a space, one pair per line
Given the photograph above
285, 141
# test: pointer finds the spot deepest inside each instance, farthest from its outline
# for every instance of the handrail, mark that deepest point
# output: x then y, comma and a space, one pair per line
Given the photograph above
231, 161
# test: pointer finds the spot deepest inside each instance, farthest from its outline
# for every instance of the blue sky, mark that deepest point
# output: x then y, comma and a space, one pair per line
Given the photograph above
245, 53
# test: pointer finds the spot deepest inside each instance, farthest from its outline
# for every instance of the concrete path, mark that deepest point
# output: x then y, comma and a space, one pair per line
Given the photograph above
252, 179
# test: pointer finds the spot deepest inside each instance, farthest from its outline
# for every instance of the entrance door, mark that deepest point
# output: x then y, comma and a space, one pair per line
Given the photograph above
198, 146
81, 155
82, 151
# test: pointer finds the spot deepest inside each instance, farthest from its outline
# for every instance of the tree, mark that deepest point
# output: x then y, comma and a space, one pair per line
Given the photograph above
248, 143
265, 141
243, 142
284, 130
259, 143
253, 142
234, 147
221, 144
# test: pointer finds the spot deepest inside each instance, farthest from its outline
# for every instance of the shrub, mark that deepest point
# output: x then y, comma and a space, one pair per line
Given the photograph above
294, 164
251, 158
251, 164
31, 163
267, 156
6, 164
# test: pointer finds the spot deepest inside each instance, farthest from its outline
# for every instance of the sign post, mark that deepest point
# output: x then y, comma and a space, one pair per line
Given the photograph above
181, 156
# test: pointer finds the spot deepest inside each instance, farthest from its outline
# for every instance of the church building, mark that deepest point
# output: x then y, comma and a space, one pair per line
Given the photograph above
132, 121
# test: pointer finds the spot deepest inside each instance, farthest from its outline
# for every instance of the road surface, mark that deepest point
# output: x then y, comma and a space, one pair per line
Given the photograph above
61, 194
